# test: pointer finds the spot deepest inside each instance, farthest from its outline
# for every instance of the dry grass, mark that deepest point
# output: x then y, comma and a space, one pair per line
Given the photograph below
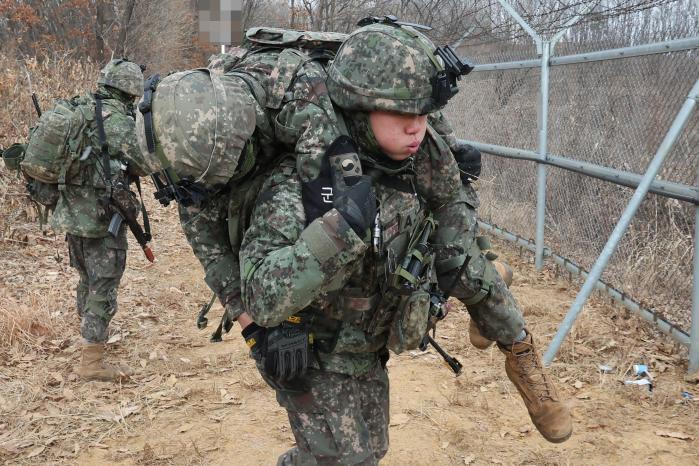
51, 78
33, 303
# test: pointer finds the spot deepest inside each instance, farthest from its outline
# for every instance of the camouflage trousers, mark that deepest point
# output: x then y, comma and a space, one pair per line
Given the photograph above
215, 230
341, 420
100, 263
206, 229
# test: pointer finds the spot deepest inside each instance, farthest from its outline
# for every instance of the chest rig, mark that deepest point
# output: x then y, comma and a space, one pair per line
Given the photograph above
379, 296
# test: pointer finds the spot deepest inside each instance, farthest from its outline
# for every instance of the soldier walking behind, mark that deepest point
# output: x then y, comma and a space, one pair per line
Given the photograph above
81, 212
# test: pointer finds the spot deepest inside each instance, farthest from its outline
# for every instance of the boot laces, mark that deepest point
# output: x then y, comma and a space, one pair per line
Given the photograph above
535, 375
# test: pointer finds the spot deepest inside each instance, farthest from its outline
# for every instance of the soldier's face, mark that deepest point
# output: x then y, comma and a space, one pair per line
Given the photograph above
398, 135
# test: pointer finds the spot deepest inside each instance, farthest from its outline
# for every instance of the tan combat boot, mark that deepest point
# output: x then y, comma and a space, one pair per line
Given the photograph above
525, 370
505, 272
93, 367
474, 335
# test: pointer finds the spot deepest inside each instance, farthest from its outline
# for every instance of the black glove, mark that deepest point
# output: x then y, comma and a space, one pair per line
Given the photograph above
352, 193
468, 158
281, 353
255, 338
287, 351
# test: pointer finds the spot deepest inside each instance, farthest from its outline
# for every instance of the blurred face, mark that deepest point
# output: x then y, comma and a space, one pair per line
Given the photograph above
398, 135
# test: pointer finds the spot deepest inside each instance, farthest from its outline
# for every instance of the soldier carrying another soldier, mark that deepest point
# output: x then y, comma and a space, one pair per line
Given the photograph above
327, 262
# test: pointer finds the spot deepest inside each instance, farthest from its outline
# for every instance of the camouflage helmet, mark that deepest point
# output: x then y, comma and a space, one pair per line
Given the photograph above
123, 75
385, 67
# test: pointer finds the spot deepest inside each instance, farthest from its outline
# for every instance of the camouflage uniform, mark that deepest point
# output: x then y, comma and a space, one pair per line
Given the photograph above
99, 258
286, 96
319, 269
214, 230
294, 116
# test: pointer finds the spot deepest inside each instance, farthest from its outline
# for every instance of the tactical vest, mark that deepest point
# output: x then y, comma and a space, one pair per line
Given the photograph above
381, 301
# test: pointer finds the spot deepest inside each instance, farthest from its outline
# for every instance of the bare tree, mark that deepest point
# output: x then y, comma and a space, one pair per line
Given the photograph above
125, 19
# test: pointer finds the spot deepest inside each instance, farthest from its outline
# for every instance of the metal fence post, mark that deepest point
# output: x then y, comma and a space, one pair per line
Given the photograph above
512, 12
653, 168
541, 169
694, 330
543, 50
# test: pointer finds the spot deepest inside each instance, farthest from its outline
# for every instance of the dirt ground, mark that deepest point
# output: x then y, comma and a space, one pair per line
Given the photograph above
194, 402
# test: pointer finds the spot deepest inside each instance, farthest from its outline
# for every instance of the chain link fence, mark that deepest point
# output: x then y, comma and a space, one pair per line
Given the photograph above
612, 113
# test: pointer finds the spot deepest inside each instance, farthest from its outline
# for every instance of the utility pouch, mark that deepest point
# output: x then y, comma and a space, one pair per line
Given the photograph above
44, 193
410, 322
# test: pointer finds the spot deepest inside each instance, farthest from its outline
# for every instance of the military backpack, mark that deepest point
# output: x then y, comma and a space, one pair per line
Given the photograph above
198, 123
58, 139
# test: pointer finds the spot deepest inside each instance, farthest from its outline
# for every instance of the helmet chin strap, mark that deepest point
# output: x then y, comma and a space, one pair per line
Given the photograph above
360, 129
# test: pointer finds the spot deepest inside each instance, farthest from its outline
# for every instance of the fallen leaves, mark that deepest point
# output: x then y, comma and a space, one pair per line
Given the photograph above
675, 435
36, 452
184, 428
118, 414
399, 419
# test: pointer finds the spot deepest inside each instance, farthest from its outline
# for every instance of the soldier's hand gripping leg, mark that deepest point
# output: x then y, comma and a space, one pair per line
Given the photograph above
474, 335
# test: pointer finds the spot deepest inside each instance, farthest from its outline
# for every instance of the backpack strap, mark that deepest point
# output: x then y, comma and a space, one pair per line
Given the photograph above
283, 75
104, 148
255, 88
341, 123
146, 109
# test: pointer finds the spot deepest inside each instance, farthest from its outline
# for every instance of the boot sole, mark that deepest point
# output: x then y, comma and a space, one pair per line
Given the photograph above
557, 439
95, 378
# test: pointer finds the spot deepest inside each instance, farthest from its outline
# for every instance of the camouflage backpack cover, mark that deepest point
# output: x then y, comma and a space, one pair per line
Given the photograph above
57, 140
198, 123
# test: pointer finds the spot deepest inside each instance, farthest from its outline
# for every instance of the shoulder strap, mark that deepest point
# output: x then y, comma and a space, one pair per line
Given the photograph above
255, 88
288, 64
341, 123
104, 148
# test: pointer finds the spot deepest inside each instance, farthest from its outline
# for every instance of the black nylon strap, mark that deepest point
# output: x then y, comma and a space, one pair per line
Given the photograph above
145, 107
148, 129
398, 184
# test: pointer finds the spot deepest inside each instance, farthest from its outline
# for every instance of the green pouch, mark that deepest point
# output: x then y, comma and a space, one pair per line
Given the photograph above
410, 322
13, 156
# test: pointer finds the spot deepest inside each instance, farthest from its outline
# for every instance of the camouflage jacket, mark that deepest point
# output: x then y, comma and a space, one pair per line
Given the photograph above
287, 267
78, 210
291, 90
